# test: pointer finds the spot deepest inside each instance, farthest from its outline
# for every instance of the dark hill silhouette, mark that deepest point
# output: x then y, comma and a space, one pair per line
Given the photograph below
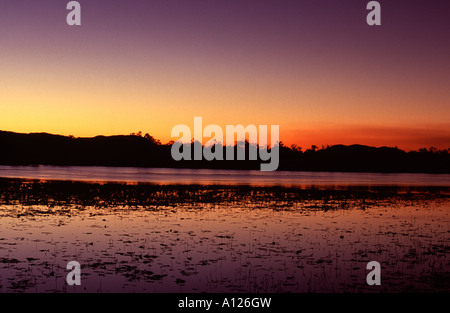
145, 151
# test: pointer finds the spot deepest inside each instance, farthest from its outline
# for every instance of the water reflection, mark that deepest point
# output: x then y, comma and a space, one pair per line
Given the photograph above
227, 177
312, 241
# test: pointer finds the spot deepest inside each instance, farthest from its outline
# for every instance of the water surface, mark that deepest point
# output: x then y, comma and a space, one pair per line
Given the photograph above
220, 177
157, 238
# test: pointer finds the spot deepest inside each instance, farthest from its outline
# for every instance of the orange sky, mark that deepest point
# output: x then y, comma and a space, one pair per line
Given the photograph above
320, 73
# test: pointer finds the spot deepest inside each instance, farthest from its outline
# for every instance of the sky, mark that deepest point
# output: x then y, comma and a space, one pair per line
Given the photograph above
313, 67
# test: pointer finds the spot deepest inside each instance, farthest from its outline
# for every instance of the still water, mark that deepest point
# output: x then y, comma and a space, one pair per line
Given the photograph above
222, 231
250, 240
220, 177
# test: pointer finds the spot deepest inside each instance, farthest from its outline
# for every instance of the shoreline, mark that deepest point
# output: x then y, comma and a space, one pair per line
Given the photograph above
54, 192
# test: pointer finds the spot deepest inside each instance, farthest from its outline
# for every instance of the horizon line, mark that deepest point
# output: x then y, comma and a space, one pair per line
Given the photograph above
313, 147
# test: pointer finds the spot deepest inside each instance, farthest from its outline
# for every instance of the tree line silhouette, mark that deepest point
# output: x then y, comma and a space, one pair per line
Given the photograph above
139, 150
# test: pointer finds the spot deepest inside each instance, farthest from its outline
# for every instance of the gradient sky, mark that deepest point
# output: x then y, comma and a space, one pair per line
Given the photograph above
313, 67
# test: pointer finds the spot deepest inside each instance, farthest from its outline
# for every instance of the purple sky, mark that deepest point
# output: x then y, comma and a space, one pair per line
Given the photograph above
313, 67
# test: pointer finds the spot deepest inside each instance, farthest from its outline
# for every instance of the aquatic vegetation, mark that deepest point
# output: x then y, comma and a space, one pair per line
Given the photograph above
150, 238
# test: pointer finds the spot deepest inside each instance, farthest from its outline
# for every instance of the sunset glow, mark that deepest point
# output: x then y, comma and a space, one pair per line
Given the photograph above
317, 70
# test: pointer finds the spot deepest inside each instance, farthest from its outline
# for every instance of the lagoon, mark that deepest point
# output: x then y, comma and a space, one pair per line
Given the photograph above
171, 176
